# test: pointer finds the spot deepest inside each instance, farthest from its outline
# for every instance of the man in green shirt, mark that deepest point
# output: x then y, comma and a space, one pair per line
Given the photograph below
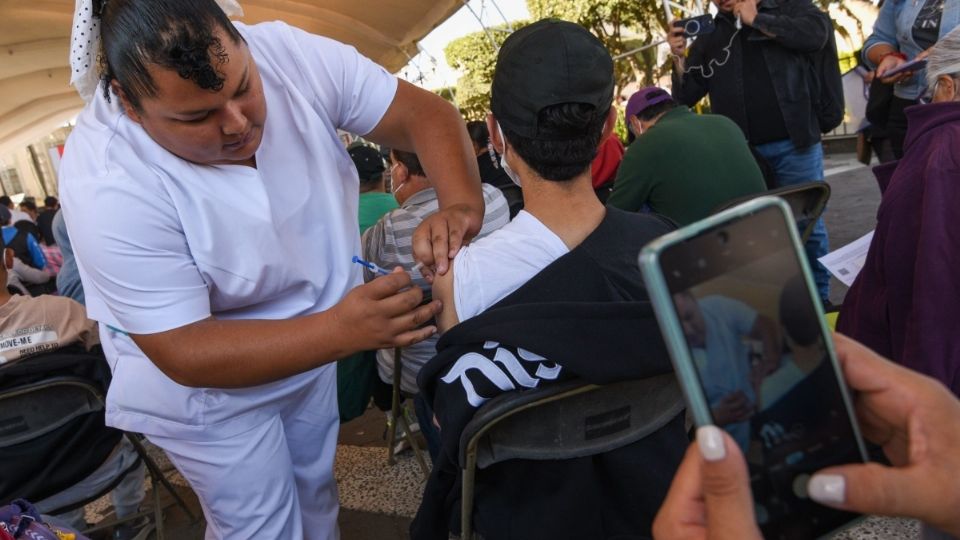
374, 200
681, 165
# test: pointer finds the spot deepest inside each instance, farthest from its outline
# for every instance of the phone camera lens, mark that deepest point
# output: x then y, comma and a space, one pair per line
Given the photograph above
692, 28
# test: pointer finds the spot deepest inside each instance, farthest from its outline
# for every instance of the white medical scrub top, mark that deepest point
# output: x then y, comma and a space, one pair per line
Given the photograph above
727, 366
162, 243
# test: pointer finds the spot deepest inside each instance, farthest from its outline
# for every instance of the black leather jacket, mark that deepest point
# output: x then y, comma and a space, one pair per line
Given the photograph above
799, 29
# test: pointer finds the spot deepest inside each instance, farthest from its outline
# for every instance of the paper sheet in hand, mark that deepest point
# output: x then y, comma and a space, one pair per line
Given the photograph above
846, 262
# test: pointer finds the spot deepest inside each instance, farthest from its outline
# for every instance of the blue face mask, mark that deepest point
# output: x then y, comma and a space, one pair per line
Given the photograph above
503, 159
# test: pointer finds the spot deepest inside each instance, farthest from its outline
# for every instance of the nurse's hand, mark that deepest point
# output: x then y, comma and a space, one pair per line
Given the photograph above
439, 237
385, 313
710, 497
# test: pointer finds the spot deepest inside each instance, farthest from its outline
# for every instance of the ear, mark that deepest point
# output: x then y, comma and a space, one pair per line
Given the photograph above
498, 142
609, 124
8, 258
948, 86
128, 108
400, 173
635, 126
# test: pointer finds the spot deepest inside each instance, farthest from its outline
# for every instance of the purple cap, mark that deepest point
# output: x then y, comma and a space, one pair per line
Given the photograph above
645, 98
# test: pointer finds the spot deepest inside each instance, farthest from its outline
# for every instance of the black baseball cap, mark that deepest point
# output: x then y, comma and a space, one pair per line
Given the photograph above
368, 162
548, 63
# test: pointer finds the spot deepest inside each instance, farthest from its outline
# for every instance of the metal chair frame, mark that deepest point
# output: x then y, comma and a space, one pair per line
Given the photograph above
398, 420
527, 401
155, 474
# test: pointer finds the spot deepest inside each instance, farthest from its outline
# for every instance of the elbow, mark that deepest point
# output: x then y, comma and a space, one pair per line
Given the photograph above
177, 367
179, 373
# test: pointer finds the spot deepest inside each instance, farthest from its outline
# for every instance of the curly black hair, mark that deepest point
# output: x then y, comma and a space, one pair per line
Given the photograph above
176, 34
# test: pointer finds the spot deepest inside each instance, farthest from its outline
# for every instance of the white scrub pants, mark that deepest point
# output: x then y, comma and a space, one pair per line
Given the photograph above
274, 480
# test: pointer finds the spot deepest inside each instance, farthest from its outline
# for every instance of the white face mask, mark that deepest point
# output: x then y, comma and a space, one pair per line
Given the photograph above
503, 159
399, 187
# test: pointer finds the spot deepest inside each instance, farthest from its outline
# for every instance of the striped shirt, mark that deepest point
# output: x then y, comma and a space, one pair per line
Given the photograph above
389, 243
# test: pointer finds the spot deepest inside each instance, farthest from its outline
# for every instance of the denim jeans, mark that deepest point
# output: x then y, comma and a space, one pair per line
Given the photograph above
126, 497
429, 430
794, 166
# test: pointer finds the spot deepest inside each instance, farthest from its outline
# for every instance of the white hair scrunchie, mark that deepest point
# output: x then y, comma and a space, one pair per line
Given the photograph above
85, 45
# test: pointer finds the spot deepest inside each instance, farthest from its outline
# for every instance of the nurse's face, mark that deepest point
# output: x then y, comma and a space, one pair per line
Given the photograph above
203, 126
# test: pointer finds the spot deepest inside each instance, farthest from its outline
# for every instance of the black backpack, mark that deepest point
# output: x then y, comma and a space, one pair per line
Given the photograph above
19, 245
828, 104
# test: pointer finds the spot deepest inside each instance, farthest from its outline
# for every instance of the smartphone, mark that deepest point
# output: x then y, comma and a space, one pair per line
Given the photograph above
737, 307
696, 26
913, 65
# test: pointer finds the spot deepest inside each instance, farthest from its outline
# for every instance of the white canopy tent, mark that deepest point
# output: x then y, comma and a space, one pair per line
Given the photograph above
35, 95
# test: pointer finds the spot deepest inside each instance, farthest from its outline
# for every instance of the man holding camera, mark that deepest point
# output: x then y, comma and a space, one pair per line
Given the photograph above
756, 66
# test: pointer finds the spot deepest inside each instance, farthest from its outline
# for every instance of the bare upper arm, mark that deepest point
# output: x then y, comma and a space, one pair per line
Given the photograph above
443, 291
168, 350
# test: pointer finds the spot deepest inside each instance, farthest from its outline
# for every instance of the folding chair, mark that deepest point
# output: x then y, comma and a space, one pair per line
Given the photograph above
398, 419
562, 421
52, 428
807, 201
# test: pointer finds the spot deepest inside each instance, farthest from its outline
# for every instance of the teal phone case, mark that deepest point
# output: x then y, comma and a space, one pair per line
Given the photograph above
670, 324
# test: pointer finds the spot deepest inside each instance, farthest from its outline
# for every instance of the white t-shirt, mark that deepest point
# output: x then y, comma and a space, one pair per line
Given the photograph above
162, 243
725, 368
491, 268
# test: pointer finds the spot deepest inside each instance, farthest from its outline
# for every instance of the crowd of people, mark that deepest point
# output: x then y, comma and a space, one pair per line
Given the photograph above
500, 256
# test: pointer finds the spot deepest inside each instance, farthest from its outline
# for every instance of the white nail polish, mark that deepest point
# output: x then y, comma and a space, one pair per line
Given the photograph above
827, 488
710, 441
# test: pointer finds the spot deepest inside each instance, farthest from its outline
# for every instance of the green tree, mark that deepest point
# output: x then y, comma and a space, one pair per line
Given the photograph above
622, 26
475, 57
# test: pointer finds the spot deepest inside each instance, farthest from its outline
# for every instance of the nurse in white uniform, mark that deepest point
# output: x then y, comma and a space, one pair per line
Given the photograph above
213, 212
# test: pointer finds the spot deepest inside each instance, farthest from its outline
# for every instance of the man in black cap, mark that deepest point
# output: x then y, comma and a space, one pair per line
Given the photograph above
556, 294
374, 200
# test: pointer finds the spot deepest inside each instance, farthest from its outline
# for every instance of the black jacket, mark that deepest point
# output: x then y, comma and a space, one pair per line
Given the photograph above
800, 29
588, 316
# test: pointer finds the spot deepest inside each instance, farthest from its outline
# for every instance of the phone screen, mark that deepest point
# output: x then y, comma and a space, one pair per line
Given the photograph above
753, 332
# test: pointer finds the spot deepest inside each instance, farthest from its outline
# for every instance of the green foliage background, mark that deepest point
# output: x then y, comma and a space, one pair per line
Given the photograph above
622, 25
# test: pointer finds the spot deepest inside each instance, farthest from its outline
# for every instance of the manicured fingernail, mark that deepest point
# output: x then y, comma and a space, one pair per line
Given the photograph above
827, 488
710, 441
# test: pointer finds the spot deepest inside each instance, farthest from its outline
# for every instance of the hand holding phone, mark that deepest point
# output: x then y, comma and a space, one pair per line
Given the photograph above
911, 66
696, 26
736, 303
710, 495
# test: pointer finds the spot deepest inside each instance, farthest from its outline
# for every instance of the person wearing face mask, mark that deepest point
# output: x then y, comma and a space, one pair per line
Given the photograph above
374, 200
902, 303
222, 276
489, 164
556, 294
680, 164
385, 244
